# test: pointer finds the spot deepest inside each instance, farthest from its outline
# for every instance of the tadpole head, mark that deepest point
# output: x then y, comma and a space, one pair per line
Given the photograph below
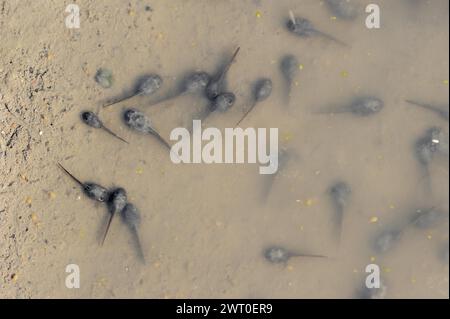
223, 102
289, 67
137, 120
428, 218
96, 192
263, 89
340, 193
366, 106
91, 119
117, 200
197, 82
130, 215
276, 255
386, 240
150, 84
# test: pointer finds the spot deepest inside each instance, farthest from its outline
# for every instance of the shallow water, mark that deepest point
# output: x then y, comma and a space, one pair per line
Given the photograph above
204, 227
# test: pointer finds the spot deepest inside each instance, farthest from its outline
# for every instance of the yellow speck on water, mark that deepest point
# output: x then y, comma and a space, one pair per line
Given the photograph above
413, 280
81, 233
296, 83
156, 264
391, 206
160, 35
51, 195
28, 200
301, 228
429, 237
24, 177
131, 13
309, 202
34, 218
301, 66
445, 82
317, 172
139, 170
355, 270
258, 14
287, 136
373, 219
372, 259
290, 268
333, 18
387, 269
344, 74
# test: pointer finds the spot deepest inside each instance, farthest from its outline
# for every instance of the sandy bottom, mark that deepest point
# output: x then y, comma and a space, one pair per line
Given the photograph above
204, 227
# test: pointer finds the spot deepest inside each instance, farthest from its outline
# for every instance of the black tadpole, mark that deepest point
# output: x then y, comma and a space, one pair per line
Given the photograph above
339, 194
262, 91
148, 86
214, 87
304, 28
92, 119
137, 121
92, 190
279, 255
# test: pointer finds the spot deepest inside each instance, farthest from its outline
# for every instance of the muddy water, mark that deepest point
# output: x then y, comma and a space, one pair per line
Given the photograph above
204, 227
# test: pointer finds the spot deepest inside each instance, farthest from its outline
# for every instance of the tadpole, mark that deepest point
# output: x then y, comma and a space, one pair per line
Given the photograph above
289, 69
148, 86
262, 91
361, 106
215, 86
304, 28
92, 190
279, 255
139, 122
339, 194
92, 119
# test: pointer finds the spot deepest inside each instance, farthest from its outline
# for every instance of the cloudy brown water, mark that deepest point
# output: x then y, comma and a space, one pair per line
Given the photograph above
204, 227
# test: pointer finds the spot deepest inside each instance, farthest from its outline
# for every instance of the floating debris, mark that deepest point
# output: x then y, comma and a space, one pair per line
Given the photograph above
104, 78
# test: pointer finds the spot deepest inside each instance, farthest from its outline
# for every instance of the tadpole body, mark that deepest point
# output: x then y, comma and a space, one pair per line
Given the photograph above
148, 86
139, 122
304, 28
279, 255
116, 203
215, 86
131, 217
91, 119
289, 67
262, 91
343, 9
92, 190
386, 240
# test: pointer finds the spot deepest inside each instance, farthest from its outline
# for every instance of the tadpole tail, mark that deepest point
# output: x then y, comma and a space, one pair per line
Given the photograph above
308, 255
423, 105
426, 178
111, 215
333, 111
329, 37
227, 67
137, 243
267, 187
246, 113
121, 100
168, 98
160, 139
114, 134
70, 174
